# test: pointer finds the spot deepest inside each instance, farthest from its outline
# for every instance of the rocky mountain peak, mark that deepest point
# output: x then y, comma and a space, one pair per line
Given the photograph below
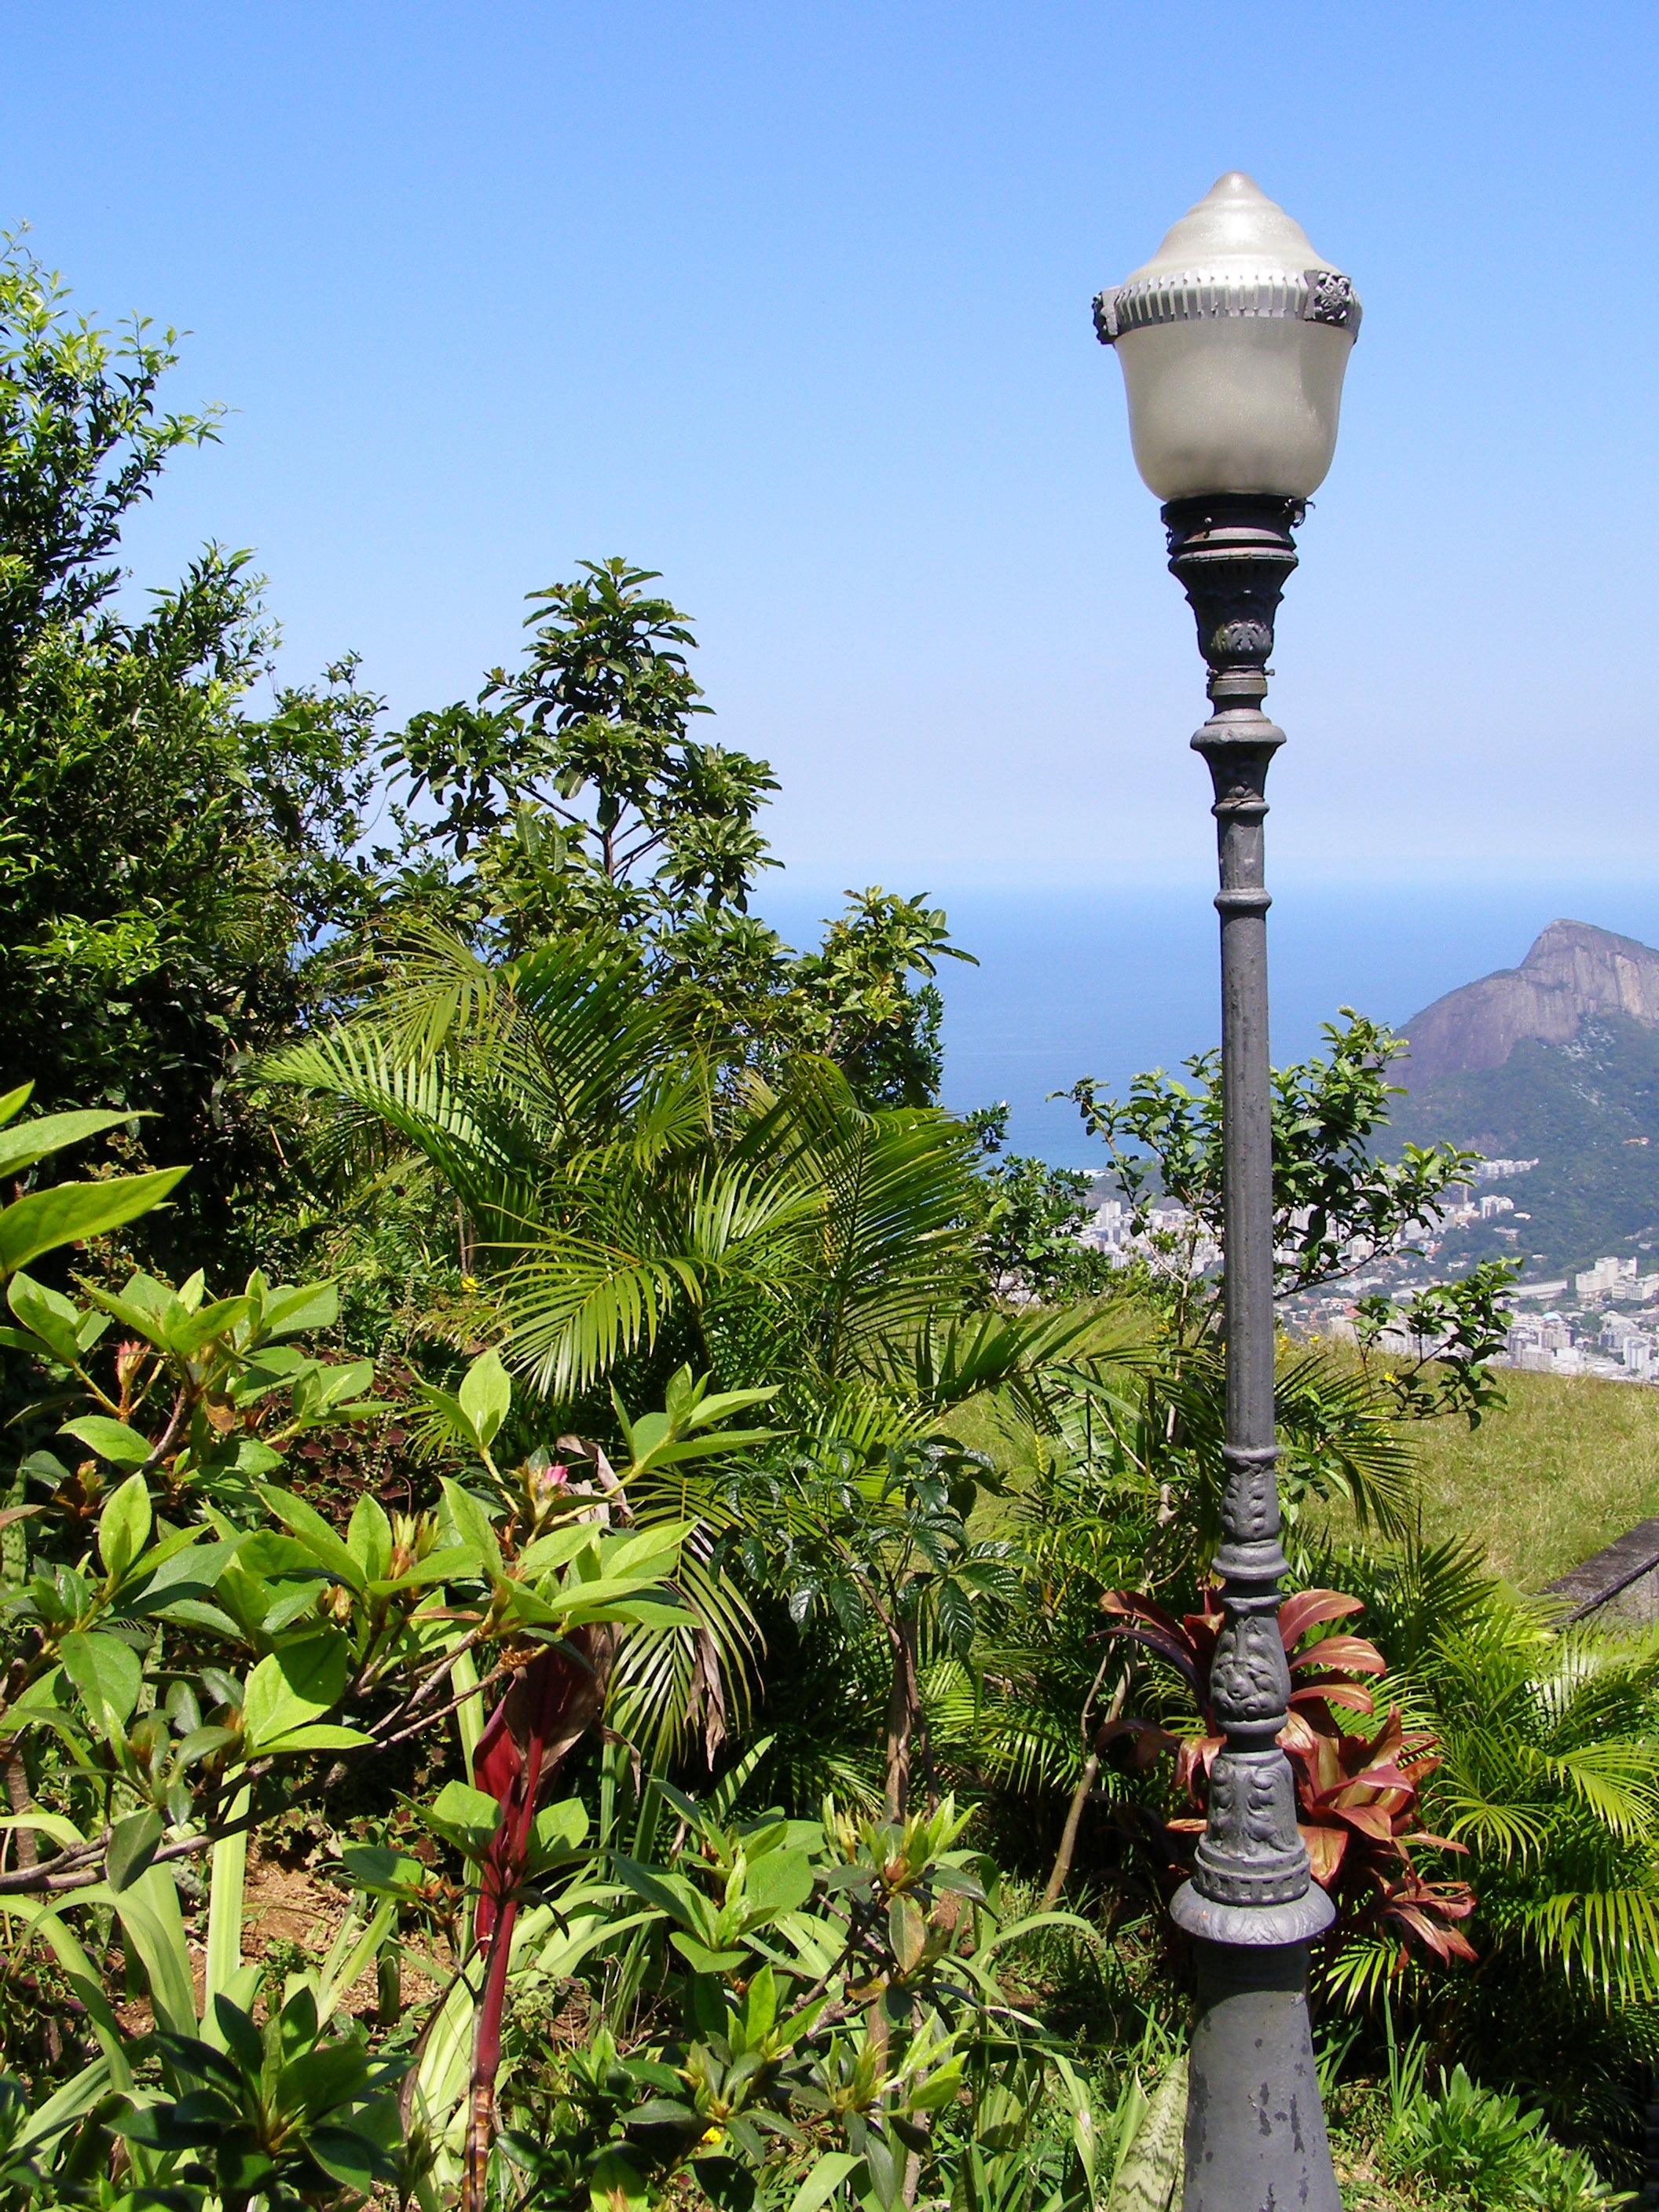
1574, 971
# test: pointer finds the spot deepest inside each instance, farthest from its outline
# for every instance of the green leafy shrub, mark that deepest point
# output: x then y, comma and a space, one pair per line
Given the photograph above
1477, 2147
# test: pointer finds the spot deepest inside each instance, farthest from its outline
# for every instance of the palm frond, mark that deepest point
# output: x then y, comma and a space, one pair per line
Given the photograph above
1616, 1779
1609, 1937
1016, 1357
437, 1116
440, 994
575, 1307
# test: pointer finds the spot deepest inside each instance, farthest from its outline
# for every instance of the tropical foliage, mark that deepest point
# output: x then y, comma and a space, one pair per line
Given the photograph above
599, 1604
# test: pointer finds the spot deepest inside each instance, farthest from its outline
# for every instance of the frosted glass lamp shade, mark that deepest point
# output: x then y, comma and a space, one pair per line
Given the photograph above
1234, 339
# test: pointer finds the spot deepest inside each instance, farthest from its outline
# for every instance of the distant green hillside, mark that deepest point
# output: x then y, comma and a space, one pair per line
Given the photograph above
1588, 1113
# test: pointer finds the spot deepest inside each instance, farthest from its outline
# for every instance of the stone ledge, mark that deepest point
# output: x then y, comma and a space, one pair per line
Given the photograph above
1623, 1579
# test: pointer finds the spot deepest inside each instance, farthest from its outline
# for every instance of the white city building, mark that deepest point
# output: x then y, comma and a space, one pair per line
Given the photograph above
1607, 1275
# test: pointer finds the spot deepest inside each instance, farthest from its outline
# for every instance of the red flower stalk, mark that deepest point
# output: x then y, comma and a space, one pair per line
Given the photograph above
547, 1709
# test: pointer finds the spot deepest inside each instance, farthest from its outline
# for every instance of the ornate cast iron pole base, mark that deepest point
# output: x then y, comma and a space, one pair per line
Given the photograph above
1255, 2130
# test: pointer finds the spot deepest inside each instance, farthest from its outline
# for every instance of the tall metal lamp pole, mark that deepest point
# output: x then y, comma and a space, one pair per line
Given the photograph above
1233, 342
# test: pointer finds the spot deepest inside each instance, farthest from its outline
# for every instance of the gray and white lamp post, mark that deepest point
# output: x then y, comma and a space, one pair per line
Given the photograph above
1233, 341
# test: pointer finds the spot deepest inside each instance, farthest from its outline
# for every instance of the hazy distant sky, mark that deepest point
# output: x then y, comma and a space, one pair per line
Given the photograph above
791, 301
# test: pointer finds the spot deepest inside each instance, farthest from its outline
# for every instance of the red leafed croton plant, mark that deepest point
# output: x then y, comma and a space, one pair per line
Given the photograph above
1357, 1794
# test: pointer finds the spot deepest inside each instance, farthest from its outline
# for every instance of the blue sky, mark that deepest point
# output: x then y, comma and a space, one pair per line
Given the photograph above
792, 303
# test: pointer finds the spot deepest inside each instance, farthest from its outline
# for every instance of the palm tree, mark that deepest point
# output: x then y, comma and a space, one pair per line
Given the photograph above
634, 1203
1548, 1743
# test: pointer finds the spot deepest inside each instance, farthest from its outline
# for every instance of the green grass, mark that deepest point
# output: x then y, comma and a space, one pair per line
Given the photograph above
1567, 1465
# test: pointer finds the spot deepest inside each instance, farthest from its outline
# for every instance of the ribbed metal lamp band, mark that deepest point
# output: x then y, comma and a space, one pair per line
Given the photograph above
1311, 295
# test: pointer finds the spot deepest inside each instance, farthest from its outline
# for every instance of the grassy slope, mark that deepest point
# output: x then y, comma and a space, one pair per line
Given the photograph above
1568, 1465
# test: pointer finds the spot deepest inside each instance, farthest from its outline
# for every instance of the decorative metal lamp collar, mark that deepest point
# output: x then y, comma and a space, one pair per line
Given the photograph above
1233, 341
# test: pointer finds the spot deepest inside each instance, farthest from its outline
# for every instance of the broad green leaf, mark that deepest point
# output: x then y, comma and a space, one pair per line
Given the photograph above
557, 1832
107, 1674
486, 1396
276, 1368
612, 1602
14, 1100
724, 1440
350, 2158
654, 1552
379, 1871
646, 1436
48, 1697
228, 2020
664, 2113
32, 1141
323, 1388
325, 1737
723, 1402
295, 1605
906, 1931
886, 2172
826, 2178
940, 2088
178, 1567
556, 1549
368, 1538
133, 1843
253, 1457
276, 1559
671, 1894
561, 1606
53, 1318
701, 1959
471, 1525
54, 1825
466, 1817
291, 1308
124, 1526
187, 1336
192, 1612
291, 1688
617, 2184
111, 1440
201, 1743
760, 2008
142, 1321
1148, 2176
71, 1212
317, 1538
779, 1881
149, 1294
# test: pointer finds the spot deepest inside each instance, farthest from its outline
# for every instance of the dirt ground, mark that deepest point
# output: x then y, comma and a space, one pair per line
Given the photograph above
289, 1903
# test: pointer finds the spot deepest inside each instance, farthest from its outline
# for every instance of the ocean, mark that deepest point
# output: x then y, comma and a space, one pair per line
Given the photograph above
1106, 982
